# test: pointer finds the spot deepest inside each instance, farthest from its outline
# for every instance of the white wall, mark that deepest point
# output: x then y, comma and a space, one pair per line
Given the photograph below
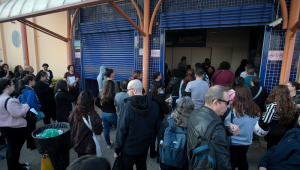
235, 40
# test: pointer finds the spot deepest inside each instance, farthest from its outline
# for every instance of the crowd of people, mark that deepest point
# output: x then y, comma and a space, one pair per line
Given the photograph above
212, 118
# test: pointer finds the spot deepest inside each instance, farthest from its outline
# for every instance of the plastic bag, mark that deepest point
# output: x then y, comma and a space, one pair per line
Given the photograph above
46, 164
49, 133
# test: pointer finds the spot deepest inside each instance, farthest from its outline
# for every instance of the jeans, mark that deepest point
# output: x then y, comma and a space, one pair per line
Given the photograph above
238, 157
140, 161
15, 138
174, 102
108, 119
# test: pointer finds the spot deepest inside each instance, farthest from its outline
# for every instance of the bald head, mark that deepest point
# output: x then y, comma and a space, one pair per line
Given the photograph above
135, 87
29, 69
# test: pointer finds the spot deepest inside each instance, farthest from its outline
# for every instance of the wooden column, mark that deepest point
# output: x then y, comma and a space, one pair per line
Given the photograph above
24, 44
69, 42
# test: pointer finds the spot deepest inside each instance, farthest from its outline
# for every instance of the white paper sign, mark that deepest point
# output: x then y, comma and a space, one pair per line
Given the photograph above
155, 53
141, 52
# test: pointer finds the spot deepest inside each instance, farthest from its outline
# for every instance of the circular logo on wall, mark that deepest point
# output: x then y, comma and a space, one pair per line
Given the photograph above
16, 39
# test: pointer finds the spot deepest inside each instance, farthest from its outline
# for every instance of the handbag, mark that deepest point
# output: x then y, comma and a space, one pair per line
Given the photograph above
117, 164
98, 139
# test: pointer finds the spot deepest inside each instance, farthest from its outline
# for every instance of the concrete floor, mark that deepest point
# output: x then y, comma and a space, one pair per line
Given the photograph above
255, 152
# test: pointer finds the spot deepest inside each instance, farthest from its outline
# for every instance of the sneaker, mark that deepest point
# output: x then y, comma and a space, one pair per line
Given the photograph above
111, 145
25, 168
3, 147
25, 164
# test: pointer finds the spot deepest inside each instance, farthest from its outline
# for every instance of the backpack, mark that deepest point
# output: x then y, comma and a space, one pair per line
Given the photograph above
202, 155
173, 148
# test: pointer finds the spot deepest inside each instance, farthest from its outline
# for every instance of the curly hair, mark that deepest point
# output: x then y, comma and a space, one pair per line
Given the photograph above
243, 102
84, 106
108, 92
182, 111
285, 107
189, 76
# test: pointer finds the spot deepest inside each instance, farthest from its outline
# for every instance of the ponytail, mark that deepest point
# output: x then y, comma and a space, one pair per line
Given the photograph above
154, 90
22, 83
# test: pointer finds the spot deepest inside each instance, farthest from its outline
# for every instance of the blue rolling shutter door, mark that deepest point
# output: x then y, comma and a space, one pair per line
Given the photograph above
109, 43
252, 15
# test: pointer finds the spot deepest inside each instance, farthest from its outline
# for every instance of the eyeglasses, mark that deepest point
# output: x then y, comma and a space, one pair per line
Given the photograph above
227, 102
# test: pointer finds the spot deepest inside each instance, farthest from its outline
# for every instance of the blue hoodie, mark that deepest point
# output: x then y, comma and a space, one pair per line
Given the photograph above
30, 98
285, 155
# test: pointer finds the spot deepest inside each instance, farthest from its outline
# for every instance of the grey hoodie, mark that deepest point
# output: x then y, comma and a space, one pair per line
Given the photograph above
101, 77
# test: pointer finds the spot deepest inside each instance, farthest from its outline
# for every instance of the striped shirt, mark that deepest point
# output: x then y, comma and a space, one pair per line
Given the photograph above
270, 113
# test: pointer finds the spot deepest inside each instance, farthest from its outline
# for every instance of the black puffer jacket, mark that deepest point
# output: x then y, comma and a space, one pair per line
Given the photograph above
198, 122
136, 125
174, 86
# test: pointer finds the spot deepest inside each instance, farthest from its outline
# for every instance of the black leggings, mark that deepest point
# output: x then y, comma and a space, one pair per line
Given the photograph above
15, 138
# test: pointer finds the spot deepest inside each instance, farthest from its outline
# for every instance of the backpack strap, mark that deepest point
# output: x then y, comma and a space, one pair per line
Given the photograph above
5, 104
258, 93
218, 74
210, 129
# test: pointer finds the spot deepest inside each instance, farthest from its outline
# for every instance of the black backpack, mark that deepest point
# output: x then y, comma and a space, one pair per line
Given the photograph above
203, 155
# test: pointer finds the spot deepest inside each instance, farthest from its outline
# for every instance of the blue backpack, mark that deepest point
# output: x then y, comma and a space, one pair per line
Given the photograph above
173, 149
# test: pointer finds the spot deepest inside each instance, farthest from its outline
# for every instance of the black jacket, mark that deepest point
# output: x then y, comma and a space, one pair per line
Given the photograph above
163, 108
262, 97
296, 98
174, 86
200, 119
108, 107
49, 78
63, 106
136, 125
46, 97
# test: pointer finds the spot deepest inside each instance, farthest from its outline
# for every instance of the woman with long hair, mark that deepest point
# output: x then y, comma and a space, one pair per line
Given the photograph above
72, 79
27, 95
156, 77
231, 92
12, 124
190, 76
81, 136
17, 71
181, 116
279, 115
159, 99
5, 73
45, 94
137, 74
110, 75
105, 102
245, 114
63, 101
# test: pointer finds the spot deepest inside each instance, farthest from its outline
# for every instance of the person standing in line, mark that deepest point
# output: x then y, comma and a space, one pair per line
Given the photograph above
210, 72
244, 73
216, 104
23, 74
294, 91
237, 81
101, 77
259, 93
17, 71
181, 116
279, 115
49, 72
155, 78
159, 99
241, 68
26, 95
182, 63
136, 125
190, 76
5, 73
250, 74
197, 89
246, 114
63, 100
174, 86
105, 102
167, 75
222, 75
45, 94
120, 97
31, 70
12, 124
72, 79
110, 75
81, 136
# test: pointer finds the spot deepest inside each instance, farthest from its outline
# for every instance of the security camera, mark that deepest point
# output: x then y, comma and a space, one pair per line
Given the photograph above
275, 22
